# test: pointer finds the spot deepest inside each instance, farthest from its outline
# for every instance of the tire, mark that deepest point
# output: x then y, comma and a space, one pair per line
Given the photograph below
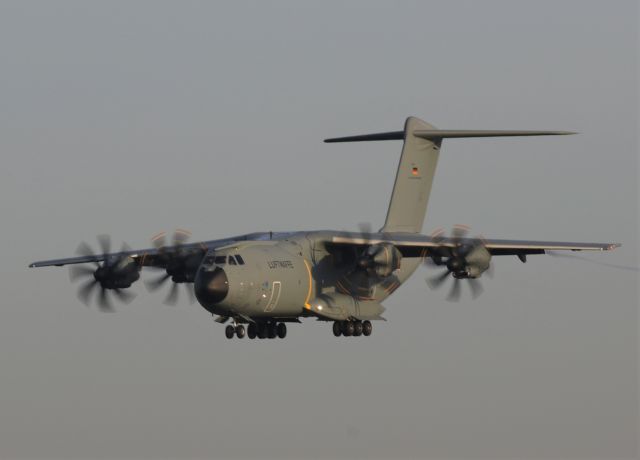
357, 329
240, 331
252, 331
281, 330
229, 331
262, 331
367, 328
348, 328
337, 328
271, 331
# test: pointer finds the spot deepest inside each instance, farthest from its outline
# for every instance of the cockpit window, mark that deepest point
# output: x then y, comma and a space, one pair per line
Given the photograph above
232, 261
220, 260
240, 259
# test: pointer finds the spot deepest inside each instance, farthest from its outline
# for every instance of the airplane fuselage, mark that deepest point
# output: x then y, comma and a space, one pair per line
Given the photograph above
285, 276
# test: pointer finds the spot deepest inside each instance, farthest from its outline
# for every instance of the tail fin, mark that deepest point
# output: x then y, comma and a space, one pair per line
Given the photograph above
414, 179
417, 167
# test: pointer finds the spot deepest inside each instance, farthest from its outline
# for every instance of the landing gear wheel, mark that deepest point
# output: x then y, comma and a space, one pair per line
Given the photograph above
262, 331
240, 331
348, 328
229, 331
337, 328
271, 331
357, 329
252, 331
281, 330
367, 328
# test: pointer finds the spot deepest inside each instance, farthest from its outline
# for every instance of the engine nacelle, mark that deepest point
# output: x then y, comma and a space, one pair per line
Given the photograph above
183, 269
471, 264
118, 274
380, 260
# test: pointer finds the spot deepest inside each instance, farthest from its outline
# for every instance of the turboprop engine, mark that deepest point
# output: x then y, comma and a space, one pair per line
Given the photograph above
114, 274
464, 258
379, 260
468, 261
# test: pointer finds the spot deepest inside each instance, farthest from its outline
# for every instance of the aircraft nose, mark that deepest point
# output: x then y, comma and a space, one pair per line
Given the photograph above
211, 287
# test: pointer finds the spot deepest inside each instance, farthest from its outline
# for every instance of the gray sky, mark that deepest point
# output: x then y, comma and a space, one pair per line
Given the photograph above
130, 118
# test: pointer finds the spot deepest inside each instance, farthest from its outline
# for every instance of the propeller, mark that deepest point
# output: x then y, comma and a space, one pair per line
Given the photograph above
463, 259
178, 262
372, 263
112, 275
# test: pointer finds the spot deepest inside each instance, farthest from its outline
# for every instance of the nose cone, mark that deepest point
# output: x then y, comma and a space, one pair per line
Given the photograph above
211, 287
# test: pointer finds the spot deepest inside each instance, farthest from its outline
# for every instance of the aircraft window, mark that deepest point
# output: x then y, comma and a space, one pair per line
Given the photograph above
220, 260
232, 261
240, 260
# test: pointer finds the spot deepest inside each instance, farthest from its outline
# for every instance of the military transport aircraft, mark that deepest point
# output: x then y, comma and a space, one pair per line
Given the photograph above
266, 280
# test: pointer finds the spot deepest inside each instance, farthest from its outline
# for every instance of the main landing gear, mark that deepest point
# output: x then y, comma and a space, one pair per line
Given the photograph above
352, 328
257, 330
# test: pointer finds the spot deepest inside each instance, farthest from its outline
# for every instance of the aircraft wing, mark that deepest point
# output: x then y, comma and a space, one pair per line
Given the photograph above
416, 245
151, 257
159, 256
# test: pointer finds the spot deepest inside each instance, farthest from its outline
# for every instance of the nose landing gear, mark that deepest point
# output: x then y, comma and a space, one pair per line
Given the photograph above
237, 330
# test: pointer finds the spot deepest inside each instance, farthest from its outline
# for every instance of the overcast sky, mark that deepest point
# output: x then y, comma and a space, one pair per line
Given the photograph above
130, 118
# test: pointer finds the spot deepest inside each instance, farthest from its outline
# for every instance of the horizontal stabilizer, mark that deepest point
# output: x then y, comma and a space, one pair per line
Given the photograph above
445, 134
388, 136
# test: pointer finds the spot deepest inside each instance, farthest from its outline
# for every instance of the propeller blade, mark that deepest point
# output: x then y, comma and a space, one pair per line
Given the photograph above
190, 293
123, 296
459, 232
433, 260
105, 244
180, 236
155, 284
84, 291
436, 281
365, 227
454, 293
80, 271
437, 234
490, 271
103, 300
476, 287
360, 282
172, 296
159, 240
85, 250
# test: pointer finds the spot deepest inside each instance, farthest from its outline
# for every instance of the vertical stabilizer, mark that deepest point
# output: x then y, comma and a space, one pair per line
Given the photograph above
414, 179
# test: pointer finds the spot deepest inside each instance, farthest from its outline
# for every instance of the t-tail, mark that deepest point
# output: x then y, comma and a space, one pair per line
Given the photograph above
417, 167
